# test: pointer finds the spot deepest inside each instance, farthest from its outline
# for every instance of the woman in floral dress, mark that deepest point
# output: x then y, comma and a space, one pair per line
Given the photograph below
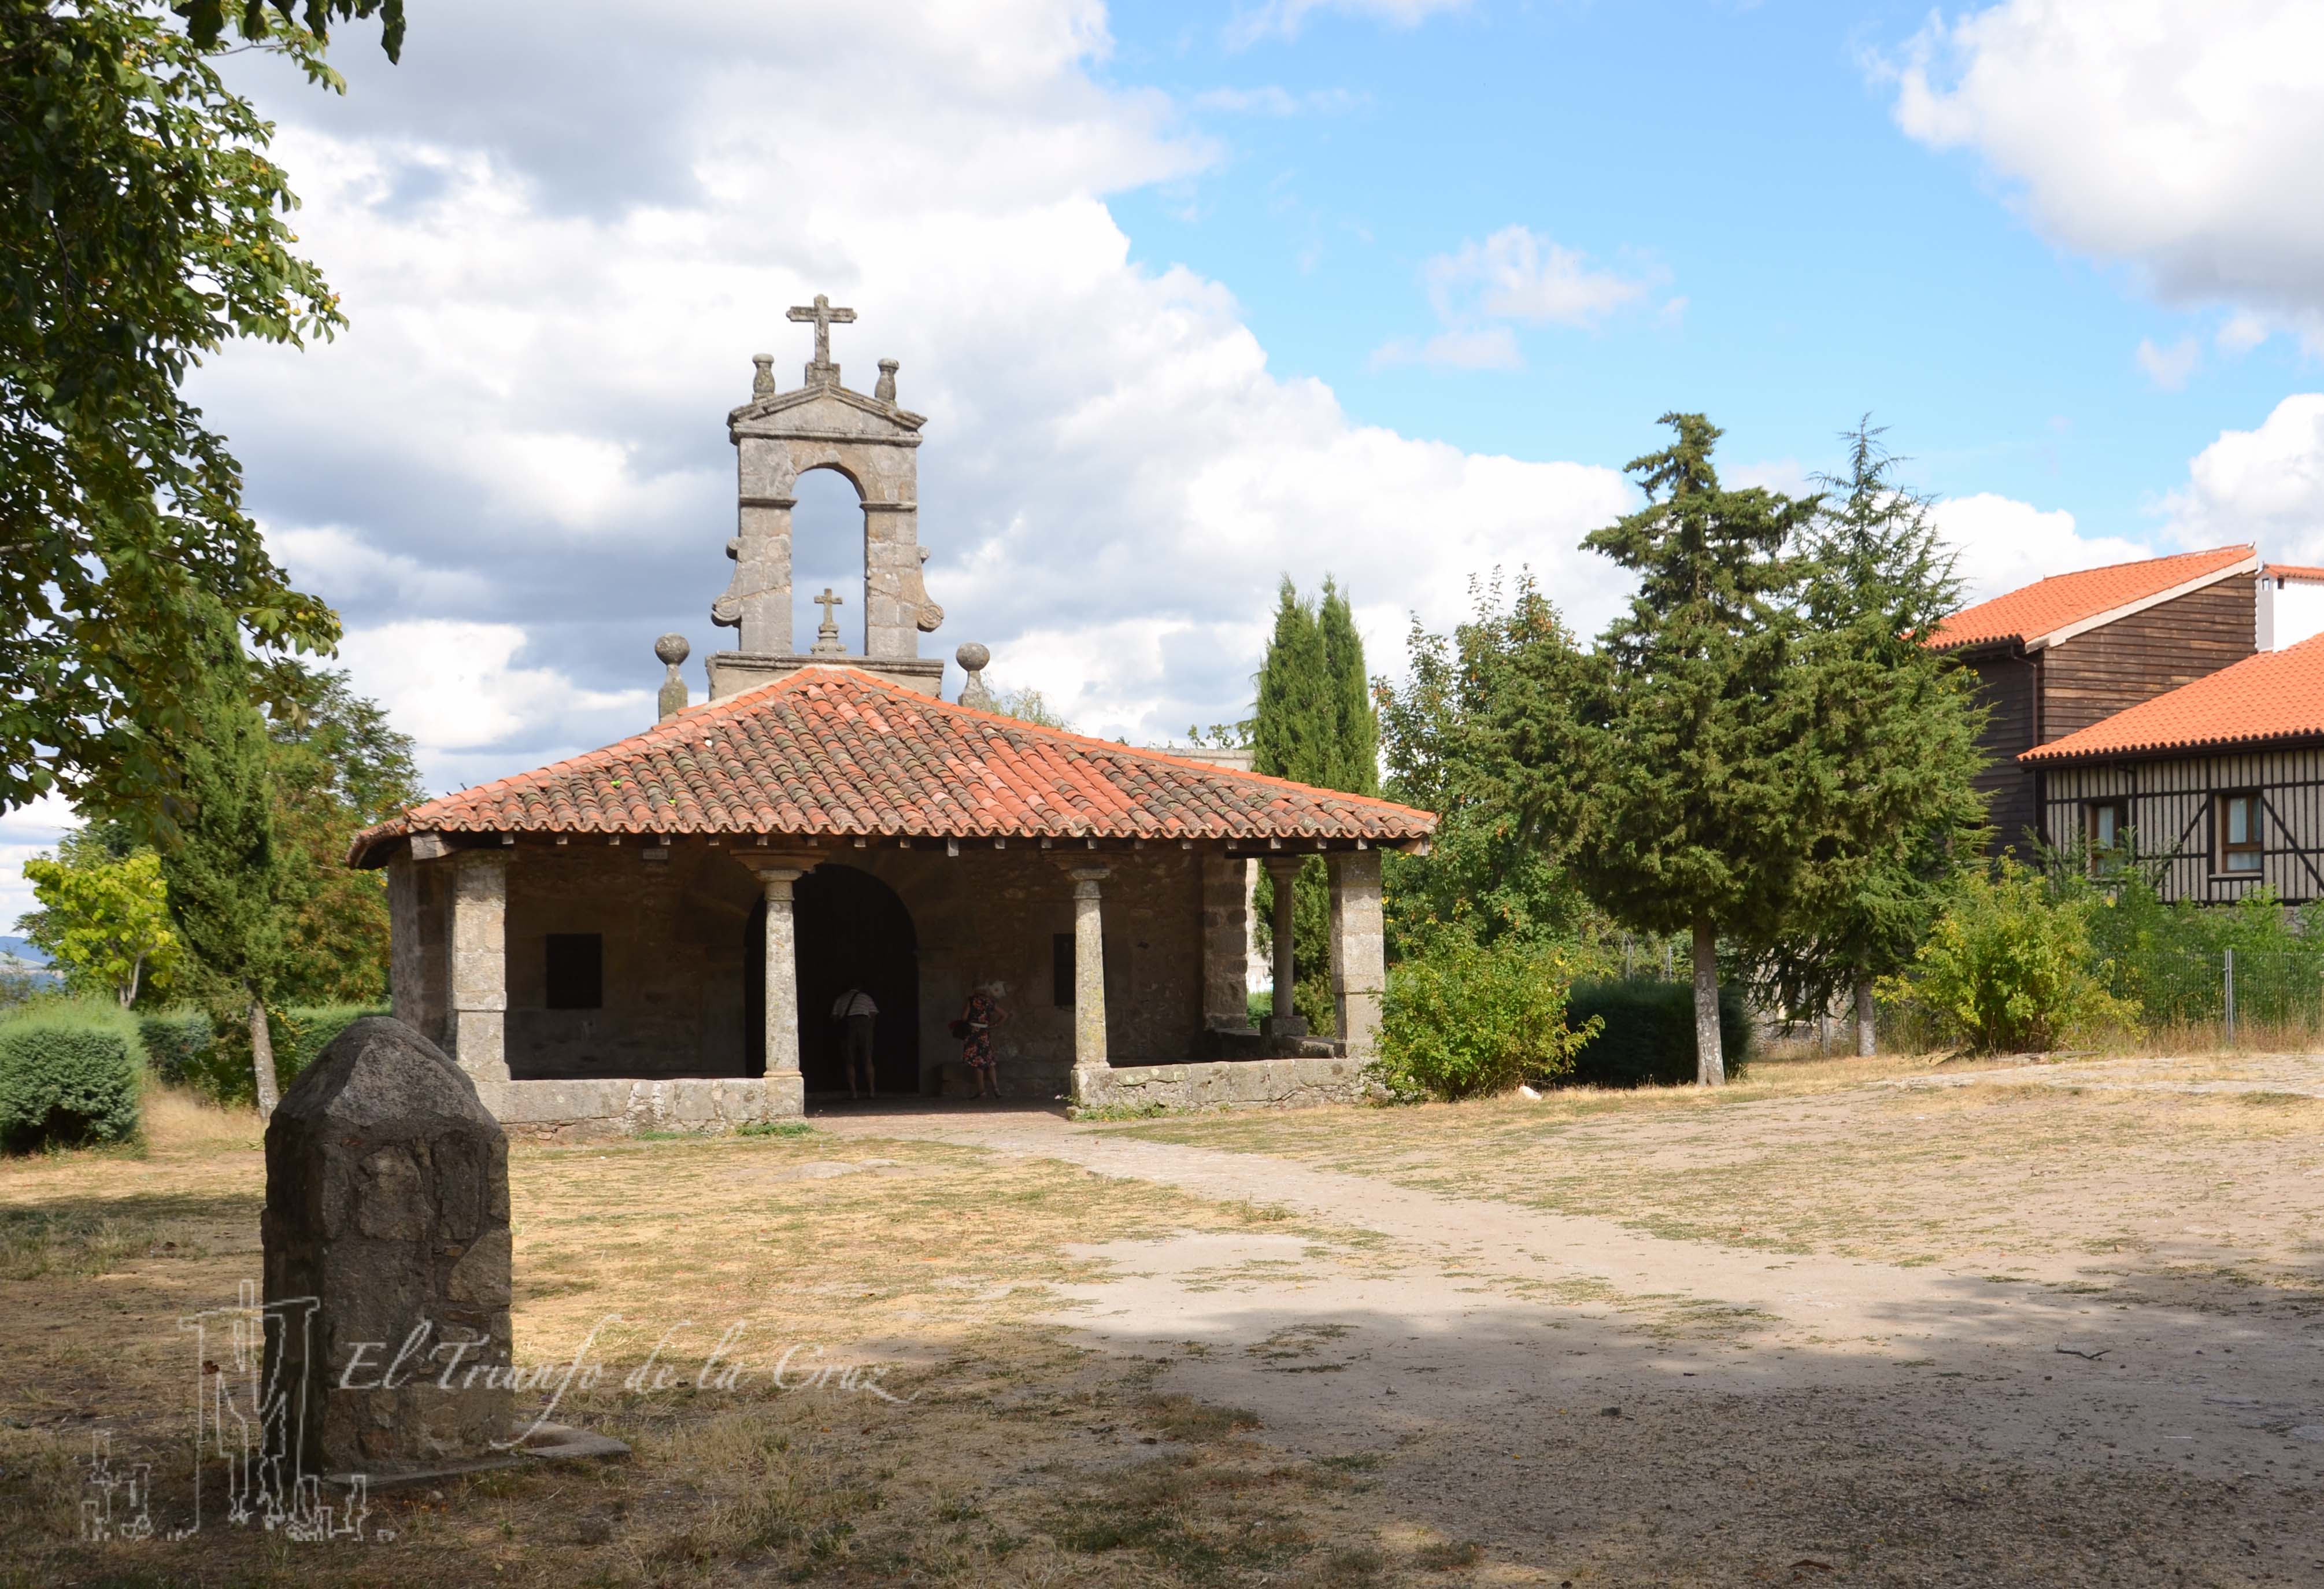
978, 1017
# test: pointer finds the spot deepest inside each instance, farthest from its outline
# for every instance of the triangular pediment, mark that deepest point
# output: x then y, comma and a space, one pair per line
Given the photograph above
823, 410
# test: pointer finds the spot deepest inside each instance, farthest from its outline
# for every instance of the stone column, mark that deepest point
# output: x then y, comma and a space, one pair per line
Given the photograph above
1358, 961
762, 546
479, 1019
891, 566
1226, 943
784, 1085
1283, 871
1089, 970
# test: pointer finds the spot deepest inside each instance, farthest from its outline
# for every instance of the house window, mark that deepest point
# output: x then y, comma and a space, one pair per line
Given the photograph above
2240, 832
2107, 827
576, 971
1061, 970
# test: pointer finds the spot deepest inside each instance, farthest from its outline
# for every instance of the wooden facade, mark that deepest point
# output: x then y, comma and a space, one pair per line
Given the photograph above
2036, 693
2176, 809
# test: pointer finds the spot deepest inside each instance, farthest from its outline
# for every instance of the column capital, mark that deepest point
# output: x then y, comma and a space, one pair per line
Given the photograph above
1279, 864
773, 866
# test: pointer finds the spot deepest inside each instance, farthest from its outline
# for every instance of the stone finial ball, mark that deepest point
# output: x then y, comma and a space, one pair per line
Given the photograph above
672, 649
971, 656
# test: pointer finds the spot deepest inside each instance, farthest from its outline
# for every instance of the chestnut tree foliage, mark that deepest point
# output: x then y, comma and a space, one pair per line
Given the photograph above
142, 228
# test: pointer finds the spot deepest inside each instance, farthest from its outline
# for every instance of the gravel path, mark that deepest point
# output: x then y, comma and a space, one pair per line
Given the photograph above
1481, 1351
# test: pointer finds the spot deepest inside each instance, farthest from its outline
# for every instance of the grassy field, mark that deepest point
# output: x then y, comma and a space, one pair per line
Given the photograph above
1007, 1456
1308, 1399
2031, 1172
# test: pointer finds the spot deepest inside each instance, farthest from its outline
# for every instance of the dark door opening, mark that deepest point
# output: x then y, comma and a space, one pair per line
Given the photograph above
851, 931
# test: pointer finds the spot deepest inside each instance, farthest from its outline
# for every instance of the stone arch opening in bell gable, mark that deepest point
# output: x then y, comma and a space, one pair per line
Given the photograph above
827, 549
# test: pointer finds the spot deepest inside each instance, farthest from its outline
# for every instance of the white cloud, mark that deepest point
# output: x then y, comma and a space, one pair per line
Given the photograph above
1517, 276
2241, 333
2004, 543
30, 830
2169, 367
1272, 99
512, 472
2264, 485
457, 685
2183, 139
1495, 348
1282, 19
1788, 476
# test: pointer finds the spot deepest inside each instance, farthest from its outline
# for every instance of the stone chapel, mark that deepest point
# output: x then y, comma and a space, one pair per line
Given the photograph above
652, 934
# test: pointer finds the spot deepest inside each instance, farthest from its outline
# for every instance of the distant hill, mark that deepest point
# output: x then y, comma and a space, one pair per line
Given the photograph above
19, 948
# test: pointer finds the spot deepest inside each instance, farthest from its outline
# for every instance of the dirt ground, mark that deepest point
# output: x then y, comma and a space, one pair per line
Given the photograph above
1844, 1323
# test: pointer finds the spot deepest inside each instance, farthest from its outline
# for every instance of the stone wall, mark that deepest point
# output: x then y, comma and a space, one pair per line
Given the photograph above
1240, 1084
558, 1111
676, 932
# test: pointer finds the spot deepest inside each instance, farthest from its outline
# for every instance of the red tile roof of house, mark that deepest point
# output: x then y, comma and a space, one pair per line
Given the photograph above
2064, 605
2298, 573
2276, 694
833, 750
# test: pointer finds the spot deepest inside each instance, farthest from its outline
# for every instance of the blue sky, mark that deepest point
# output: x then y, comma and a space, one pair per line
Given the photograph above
1195, 296
1743, 158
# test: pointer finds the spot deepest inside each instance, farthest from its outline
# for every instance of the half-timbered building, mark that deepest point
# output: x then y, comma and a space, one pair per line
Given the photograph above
2064, 653
2220, 780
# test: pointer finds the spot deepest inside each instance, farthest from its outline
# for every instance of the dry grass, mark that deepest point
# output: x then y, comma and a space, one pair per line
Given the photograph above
1009, 1456
2032, 1171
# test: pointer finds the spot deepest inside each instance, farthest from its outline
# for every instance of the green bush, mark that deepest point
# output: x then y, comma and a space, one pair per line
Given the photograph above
1464, 1018
2169, 957
2010, 967
70, 1074
176, 1043
301, 1032
1646, 1032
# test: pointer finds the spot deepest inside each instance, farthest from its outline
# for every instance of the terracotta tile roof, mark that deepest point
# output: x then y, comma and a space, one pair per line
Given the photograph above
2298, 573
2276, 694
838, 751
2035, 615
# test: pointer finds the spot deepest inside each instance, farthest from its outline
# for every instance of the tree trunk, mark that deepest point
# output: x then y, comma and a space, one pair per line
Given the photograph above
1864, 1045
262, 1059
1709, 1065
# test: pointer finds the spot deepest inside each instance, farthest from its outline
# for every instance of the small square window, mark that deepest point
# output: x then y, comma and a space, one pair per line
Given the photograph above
2107, 827
1061, 970
2239, 818
576, 971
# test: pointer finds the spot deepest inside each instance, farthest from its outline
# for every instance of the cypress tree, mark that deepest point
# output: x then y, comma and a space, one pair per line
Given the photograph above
231, 883
1294, 729
1682, 777
1355, 731
1313, 723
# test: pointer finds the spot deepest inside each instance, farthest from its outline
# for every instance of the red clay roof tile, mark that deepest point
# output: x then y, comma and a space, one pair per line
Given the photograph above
2276, 694
834, 750
2062, 600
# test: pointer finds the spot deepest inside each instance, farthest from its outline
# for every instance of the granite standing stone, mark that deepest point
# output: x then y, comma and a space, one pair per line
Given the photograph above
387, 1203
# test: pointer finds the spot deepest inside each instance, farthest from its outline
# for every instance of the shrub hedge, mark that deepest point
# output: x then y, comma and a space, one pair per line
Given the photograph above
1468, 1019
221, 1070
1647, 1038
70, 1074
176, 1041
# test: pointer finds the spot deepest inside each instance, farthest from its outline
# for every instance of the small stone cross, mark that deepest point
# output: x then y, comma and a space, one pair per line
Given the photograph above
824, 316
827, 638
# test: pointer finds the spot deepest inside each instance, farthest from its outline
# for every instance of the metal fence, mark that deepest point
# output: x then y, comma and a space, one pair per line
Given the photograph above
2241, 995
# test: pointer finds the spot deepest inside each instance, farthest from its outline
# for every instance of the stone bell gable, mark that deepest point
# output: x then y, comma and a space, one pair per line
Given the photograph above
872, 444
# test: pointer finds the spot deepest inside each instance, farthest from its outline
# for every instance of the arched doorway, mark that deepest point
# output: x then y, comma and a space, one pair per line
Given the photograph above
851, 928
